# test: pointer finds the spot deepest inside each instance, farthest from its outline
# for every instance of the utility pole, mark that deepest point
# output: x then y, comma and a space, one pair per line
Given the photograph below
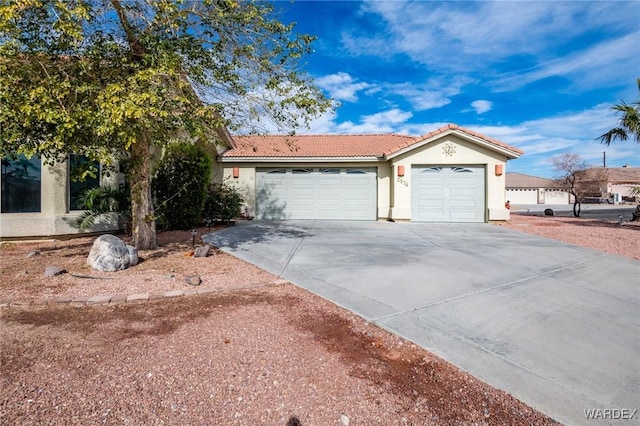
604, 159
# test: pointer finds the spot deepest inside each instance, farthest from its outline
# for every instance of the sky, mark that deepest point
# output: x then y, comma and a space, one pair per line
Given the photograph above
541, 76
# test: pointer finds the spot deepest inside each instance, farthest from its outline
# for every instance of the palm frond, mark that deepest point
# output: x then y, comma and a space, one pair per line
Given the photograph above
101, 201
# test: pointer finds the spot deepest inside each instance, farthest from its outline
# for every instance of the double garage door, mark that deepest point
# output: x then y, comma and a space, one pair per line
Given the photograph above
448, 194
316, 193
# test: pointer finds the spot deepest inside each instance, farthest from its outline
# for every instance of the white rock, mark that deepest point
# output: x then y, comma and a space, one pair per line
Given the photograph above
109, 253
344, 420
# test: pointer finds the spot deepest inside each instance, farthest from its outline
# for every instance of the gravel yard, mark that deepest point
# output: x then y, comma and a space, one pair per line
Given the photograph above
254, 351
596, 234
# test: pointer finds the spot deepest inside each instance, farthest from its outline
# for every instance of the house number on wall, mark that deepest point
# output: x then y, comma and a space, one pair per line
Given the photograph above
402, 181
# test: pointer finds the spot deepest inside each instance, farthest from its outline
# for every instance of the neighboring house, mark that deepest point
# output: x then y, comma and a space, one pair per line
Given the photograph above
616, 184
449, 175
622, 181
527, 189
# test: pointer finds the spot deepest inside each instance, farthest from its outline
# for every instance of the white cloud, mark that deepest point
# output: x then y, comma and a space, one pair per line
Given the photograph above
342, 86
535, 39
421, 97
482, 106
382, 122
544, 138
606, 61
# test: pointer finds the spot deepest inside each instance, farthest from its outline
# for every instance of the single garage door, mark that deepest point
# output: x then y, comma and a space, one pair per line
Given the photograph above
316, 193
448, 194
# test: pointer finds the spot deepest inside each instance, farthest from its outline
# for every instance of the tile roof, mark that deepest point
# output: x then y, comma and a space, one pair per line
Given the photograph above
520, 180
341, 146
624, 175
315, 145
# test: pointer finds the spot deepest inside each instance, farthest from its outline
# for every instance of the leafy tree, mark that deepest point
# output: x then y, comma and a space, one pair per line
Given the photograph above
179, 185
629, 125
111, 79
576, 177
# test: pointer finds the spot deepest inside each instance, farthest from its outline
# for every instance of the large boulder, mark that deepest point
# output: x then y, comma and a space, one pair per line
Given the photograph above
109, 253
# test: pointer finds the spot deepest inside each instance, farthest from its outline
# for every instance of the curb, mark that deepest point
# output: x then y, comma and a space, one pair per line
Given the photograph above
120, 299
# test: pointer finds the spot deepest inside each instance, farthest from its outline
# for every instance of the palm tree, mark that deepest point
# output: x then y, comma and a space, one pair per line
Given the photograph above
629, 125
100, 201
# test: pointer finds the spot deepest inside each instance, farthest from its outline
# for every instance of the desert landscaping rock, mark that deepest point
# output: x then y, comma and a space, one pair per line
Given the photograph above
193, 280
138, 298
33, 254
202, 251
52, 271
99, 299
109, 254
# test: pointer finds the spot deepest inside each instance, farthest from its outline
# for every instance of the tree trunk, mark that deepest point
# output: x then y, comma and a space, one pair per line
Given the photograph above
142, 214
576, 208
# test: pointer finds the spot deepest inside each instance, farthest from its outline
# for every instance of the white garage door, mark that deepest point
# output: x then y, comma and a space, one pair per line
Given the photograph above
448, 194
522, 196
316, 193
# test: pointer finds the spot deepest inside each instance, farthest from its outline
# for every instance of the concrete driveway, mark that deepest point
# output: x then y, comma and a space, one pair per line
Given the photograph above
556, 325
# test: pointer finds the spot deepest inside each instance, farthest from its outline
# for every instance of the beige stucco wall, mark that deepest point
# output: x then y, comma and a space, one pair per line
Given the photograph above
522, 196
451, 151
554, 196
625, 189
54, 217
537, 196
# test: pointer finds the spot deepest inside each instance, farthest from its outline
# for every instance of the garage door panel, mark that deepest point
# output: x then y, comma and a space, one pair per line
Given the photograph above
463, 192
432, 192
462, 203
431, 203
433, 216
448, 194
316, 193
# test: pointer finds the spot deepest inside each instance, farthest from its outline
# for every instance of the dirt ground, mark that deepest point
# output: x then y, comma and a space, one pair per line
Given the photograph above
256, 351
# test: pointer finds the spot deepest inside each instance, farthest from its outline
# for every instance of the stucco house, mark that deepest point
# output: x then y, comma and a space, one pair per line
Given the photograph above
623, 181
40, 200
527, 189
451, 174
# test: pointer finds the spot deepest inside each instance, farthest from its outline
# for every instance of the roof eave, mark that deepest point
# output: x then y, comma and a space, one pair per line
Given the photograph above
367, 159
510, 154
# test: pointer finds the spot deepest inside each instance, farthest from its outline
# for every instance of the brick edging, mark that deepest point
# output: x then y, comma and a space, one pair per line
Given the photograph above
119, 299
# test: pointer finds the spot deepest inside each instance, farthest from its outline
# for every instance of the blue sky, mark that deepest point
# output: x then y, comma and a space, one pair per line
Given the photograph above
541, 76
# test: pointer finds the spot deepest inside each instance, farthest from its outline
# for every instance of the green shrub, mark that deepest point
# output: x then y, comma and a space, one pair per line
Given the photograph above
223, 202
179, 186
99, 201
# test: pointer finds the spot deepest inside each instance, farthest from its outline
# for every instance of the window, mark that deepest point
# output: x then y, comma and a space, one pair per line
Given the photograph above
77, 165
330, 171
461, 170
432, 170
301, 171
21, 183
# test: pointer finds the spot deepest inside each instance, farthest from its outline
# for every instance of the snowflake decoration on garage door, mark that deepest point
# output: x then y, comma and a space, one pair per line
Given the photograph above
449, 149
